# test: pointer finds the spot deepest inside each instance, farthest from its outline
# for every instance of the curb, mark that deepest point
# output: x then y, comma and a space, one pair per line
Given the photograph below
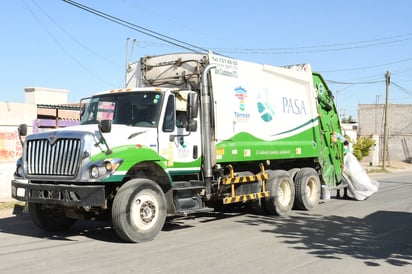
9, 208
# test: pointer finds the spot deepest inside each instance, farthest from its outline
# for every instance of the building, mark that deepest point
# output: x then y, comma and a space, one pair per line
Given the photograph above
43, 109
399, 128
350, 130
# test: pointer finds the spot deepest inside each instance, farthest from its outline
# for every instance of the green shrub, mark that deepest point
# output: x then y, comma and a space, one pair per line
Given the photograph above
362, 147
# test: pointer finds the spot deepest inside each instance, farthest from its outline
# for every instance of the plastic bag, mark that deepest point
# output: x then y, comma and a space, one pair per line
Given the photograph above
359, 183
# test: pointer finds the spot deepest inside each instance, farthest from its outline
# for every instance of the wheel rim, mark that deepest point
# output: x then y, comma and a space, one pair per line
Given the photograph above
144, 211
311, 190
284, 193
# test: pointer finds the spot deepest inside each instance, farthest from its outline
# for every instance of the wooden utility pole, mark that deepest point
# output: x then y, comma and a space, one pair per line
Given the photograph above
385, 124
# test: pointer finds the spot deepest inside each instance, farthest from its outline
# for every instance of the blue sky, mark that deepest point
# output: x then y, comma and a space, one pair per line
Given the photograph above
50, 43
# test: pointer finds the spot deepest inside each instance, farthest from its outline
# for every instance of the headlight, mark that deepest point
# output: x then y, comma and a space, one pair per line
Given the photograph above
94, 172
108, 166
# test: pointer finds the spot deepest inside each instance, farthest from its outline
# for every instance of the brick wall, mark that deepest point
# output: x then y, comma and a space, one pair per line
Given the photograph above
399, 125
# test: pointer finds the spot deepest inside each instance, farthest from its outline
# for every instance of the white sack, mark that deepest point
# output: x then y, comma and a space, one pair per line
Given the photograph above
359, 183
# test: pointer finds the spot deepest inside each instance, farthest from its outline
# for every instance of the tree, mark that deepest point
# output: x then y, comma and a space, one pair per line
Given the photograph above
362, 147
348, 120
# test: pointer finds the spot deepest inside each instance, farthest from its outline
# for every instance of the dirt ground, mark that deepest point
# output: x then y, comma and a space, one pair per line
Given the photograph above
390, 167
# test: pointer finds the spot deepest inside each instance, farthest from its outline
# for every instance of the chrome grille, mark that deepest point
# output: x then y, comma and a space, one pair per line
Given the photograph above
60, 158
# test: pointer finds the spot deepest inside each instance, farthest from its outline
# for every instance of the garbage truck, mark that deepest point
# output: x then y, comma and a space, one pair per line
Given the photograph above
190, 133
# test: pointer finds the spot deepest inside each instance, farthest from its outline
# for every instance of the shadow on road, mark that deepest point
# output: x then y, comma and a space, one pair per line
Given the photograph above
21, 224
383, 235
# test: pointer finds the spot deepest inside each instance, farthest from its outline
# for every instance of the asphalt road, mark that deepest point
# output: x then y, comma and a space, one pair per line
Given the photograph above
339, 236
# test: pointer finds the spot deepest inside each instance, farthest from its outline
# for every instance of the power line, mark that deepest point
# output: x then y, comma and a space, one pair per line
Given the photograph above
72, 37
321, 48
350, 84
353, 83
404, 90
138, 28
368, 67
285, 50
56, 41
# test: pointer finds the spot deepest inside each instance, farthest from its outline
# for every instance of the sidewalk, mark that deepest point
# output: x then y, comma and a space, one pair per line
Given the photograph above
10, 207
393, 166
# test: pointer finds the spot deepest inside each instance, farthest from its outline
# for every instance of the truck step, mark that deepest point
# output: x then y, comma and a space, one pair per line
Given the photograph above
188, 185
193, 211
187, 202
187, 197
188, 188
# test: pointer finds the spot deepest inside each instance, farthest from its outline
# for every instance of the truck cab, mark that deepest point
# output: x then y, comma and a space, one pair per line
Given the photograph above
155, 119
124, 135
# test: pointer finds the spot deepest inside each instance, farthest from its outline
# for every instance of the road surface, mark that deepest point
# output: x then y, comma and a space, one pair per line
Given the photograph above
339, 236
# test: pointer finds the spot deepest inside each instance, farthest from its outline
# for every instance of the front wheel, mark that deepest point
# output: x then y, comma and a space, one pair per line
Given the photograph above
281, 193
139, 210
49, 218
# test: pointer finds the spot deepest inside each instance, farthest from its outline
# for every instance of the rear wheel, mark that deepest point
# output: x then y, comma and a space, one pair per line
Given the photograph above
139, 210
49, 218
292, 172
281, 193
307, 185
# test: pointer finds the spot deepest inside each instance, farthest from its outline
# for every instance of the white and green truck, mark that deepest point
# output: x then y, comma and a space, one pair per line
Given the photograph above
190, 132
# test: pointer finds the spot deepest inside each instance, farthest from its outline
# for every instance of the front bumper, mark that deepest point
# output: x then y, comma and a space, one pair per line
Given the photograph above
59, 194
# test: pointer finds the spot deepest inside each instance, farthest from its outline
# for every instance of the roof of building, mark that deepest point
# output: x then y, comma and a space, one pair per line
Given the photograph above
61, 112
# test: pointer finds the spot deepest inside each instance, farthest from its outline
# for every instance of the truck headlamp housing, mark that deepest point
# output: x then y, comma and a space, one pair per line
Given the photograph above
19, 171
103, 169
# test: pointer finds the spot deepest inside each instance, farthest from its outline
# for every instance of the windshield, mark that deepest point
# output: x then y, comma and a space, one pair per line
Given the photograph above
133, 109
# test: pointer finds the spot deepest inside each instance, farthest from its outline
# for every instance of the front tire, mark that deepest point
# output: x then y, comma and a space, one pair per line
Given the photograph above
281, 193
49, 218
139, 210
307, 185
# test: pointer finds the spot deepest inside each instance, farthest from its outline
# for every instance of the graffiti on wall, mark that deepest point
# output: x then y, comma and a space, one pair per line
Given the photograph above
10, 147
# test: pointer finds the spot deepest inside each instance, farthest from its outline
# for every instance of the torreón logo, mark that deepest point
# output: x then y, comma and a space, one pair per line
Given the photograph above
241, 95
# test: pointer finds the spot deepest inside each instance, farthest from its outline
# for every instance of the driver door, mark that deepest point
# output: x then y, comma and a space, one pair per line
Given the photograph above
180, 148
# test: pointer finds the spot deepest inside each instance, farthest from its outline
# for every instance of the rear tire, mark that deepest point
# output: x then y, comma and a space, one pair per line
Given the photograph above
258, 205
281, 193
139, 210
49, 218
292, 172
307, 185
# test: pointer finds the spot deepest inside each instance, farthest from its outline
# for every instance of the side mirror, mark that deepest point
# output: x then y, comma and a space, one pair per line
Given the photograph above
22, 130
192, 105
105, 126
191, 125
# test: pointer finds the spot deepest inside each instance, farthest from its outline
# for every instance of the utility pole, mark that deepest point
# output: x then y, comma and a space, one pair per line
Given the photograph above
385, 124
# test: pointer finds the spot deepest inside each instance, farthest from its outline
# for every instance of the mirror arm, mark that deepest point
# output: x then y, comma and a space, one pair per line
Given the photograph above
173, 136
102, 140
